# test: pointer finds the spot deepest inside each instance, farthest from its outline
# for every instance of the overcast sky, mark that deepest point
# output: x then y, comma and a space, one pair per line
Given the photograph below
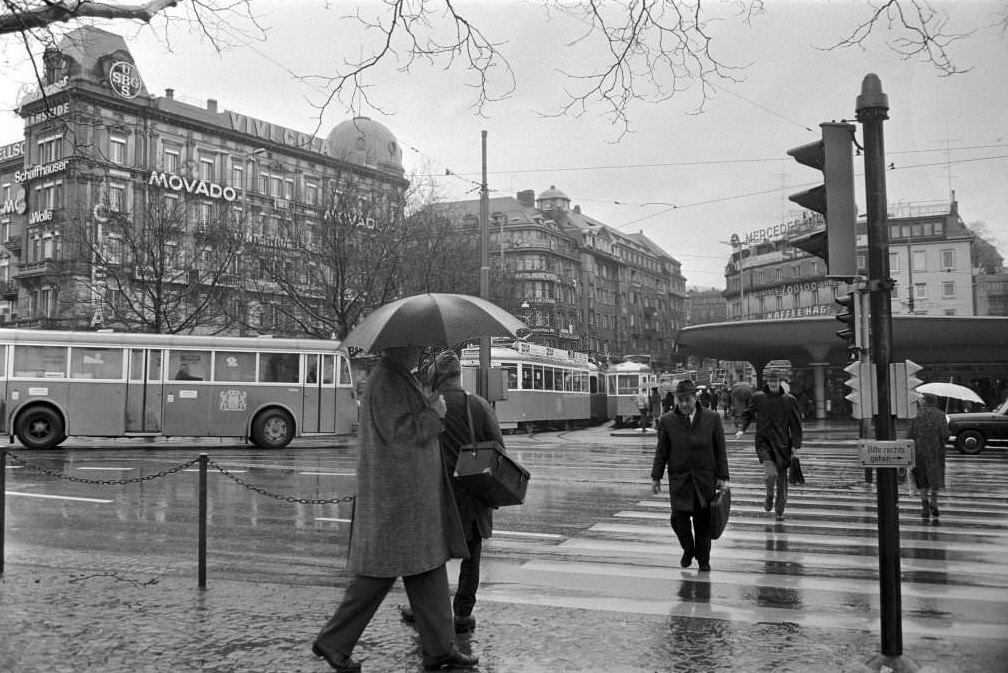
687, 180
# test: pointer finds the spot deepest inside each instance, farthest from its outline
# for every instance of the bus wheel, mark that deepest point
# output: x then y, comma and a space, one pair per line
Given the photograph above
272, 429
39, 428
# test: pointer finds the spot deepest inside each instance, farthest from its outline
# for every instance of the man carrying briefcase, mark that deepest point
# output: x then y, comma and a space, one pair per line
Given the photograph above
444, 376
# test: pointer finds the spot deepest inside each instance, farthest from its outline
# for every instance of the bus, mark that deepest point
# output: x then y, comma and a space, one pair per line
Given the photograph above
545, 386
114, 384
624, 380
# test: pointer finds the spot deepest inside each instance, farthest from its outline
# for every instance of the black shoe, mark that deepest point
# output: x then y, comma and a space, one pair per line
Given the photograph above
768, 503
687, 559
705, 567
454, 660
925, 510
780, 517
407, 615
464, 623
341, 663
934, 511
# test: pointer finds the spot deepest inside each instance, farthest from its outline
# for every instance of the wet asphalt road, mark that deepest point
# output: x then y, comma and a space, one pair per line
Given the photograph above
583, 577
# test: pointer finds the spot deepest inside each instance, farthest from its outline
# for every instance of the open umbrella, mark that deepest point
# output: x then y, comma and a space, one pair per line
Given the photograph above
952, 390
434, 319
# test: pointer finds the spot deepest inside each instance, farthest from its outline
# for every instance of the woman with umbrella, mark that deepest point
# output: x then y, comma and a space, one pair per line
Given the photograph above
929, 430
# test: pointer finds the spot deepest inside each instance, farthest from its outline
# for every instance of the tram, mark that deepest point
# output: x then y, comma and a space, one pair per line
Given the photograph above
624, 380
546, 387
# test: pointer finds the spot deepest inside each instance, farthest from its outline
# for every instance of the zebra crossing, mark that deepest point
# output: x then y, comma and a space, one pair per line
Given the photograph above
817, 568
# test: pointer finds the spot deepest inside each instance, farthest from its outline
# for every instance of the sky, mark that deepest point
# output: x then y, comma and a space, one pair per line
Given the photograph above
687, 179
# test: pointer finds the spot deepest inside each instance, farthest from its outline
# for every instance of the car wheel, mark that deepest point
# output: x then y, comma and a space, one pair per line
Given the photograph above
970, 442
272, 429
39, 428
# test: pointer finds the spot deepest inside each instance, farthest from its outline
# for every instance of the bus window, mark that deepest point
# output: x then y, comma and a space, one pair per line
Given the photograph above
526, 378
40, 361
278, 367
95, 363
328, 369
234, 366
512, 374
189, 365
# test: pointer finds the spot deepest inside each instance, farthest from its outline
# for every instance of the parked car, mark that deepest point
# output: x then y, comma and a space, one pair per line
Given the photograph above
973, 431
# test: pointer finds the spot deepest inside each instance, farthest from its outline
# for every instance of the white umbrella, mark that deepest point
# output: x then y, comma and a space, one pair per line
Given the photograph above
952, 390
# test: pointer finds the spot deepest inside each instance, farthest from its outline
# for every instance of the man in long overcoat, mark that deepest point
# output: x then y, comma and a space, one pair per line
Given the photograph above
405, 520
445, 376
778, 434
691, 444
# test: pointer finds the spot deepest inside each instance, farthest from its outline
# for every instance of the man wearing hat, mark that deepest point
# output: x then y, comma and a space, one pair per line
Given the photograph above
691, 445
778, 433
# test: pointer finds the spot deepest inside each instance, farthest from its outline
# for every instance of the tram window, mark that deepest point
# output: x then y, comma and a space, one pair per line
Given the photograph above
569, 381
627, 384
154, 369
39, 361
234, 366
512, 374
548, 378
344, 372
278, 367
3, 360
537, 377
96, 363
189, 365
526, 371
592, 384
328, 369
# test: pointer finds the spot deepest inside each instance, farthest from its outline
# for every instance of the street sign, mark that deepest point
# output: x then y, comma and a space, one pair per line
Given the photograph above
886, 453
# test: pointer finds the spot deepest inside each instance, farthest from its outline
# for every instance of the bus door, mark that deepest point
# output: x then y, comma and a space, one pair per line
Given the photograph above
143, 391
187, 394
319, 408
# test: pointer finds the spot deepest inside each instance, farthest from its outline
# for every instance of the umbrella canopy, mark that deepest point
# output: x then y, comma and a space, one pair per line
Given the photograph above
952, 390
432, 319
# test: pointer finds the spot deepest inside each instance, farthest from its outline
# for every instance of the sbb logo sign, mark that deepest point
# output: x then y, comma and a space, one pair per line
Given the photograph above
124, 79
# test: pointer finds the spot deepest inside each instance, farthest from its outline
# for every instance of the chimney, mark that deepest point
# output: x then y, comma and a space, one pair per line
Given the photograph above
211, 105
169, 94
526, 197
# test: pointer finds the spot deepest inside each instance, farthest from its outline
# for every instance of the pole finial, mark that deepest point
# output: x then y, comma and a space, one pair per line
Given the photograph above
872, 95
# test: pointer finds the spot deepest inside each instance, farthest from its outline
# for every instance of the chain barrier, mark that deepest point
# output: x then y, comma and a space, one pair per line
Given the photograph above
19, 460
285, 498
98, 482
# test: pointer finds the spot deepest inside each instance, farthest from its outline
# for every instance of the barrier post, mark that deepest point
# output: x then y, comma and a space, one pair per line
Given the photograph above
3, 503
202, 519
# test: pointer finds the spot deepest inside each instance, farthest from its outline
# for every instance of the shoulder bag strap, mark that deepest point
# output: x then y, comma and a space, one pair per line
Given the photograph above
472, 433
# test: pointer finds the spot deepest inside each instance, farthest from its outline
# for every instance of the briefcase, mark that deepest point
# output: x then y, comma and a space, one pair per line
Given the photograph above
720, 509
488, 473
491, 475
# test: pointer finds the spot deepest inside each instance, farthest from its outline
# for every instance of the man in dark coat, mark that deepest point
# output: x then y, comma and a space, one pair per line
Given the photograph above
405, 522
444, 376
691, 444
778, 433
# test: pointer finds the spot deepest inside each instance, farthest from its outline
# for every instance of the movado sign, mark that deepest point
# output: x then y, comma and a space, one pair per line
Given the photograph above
125, 79
177, 183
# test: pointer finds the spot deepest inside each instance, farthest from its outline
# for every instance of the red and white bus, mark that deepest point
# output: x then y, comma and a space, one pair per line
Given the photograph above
114, 384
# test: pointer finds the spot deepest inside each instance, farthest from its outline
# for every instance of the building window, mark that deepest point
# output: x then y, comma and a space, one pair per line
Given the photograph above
49, 195
237, 174
206, 168
117, 149
894, 261
779, 274
171, 161
117, 197
920, 291
948, 289
948, 259
113, 249
50, 149
919, 260
311, 193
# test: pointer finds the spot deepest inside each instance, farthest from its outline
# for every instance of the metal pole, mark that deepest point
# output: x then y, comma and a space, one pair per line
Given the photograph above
484, 360
872, 111
202, 518
3, 503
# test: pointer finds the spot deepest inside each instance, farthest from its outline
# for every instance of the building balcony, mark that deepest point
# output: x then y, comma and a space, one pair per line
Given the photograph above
35, 269
9, 288
13, 245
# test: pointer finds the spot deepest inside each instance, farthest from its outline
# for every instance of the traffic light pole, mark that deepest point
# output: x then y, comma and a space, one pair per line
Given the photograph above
872, 111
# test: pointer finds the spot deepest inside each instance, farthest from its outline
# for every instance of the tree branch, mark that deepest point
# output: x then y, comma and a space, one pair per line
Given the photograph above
21, 18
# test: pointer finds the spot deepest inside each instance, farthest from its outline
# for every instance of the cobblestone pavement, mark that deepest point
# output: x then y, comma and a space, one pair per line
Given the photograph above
76, 622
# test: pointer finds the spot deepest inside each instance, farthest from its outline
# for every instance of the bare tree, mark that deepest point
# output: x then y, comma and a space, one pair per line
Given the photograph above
170, 271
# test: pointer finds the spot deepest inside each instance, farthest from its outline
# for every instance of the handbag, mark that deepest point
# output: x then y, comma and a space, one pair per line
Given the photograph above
720, 508
794, 475
488, 473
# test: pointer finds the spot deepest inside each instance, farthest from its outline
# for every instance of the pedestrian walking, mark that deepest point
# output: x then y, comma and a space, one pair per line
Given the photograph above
691, 446
929, 430
642, 407
778, 433
445, 375
724, 401
405, 523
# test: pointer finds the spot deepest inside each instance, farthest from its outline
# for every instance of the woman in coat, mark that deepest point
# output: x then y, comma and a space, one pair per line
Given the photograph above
691, 445
929, 430
405, 520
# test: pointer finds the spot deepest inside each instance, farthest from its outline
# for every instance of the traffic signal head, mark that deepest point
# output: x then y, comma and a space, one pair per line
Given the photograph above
862, 385
834, 199
849, 333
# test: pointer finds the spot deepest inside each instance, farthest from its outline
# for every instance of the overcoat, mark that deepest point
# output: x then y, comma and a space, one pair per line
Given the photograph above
778, 425
929, 430
694, 454
456, 433
405, 518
